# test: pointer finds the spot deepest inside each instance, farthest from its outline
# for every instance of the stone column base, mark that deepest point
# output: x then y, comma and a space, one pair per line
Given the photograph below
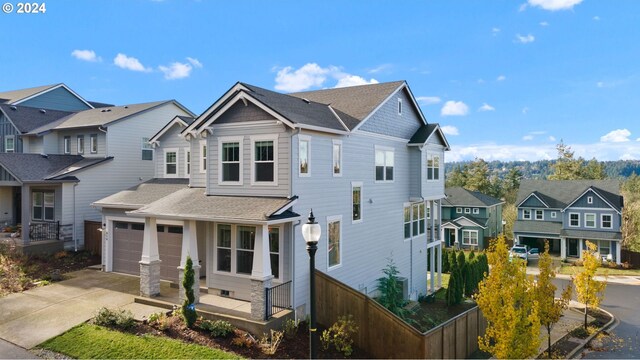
196, 284
150, 278
258, 306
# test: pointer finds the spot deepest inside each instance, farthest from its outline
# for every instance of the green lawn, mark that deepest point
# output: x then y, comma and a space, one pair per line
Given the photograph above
571, 270
442, 292
88, 341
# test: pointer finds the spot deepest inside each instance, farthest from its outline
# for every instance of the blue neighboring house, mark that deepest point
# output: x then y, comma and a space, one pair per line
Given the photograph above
568, 213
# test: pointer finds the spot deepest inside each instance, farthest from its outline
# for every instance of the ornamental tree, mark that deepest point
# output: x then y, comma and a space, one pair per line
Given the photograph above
589, 291
507, 299
188, 307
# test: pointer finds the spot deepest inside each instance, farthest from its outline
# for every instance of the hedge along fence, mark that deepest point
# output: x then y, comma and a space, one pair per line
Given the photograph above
384, 335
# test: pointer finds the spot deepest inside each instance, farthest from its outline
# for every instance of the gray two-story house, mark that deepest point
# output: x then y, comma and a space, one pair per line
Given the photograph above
569, 212
235, 185
470, 218
60, 153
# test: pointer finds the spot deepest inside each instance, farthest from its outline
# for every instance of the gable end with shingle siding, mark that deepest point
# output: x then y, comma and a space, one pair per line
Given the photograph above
57, 99
386, 120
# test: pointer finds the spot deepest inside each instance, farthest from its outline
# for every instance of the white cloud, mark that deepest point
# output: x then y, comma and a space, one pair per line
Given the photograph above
176, 70
86, 55
544, 23
450, 130
195, 62
527, 137
495, 31
552, 138
501, 78
600, 84
616, 136
380, 68
313, 75
429, 100
525, 39
486, 107
525, 110
554, 5
454, 108
129, 63
596, 18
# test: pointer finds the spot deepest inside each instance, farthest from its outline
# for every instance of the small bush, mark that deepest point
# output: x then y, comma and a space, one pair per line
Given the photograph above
290, 328
269, 342
626, 265
340, 335
118, 318
160, 320
243, 340
612, 264
217, 328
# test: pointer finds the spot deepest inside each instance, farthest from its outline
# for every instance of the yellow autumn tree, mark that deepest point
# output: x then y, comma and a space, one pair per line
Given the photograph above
549, 308
507, 299
589, 291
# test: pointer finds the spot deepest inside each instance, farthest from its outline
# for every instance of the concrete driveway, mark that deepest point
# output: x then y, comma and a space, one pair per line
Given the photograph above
33, 316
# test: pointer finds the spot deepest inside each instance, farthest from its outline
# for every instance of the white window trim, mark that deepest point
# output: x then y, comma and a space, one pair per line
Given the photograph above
602, 221
459, 210
339, 143
280, 255
78, 138
467, 210
43, 207
384, 149
355, 184
476, 211
149, 148
66, 145
524, 216
470, 232
203, 159
301, 139
164, 162
608, 247
430, 155
231, 139
187, 162
400, 106
574, 226
553, 215
536, 215
589, 199
331, 219
274, 138
93, 141
595, 221
6, 140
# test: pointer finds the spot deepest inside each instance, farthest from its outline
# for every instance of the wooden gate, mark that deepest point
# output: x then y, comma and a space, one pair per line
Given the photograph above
93, 237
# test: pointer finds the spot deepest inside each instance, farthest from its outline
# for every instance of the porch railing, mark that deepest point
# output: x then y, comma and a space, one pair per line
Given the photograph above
277, 299
44, 231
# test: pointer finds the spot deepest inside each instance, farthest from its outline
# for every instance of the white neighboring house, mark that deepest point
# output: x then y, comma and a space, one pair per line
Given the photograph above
235, 184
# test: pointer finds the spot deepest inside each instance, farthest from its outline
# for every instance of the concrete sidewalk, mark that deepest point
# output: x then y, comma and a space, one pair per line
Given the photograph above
33, 316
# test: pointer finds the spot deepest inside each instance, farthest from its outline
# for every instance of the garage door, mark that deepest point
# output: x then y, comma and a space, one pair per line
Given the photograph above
127, 248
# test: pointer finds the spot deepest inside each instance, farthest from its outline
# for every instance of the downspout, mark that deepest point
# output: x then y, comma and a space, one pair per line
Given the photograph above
106, 143
75, 238
293, 233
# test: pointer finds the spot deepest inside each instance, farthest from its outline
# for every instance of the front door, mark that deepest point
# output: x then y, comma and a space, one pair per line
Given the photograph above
17, 205
452, 237
573, 248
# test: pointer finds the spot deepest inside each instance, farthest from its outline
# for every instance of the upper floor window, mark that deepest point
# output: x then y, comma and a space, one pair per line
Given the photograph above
147, 149
80, 144
43, 205
304, 154
384, 164
458, 210
93, 143
589, 199
476, 211
399, 106
553, 214
203, 156
433, 167
526, 214
337, 158
590, 220
574, 219
334, 240
539, 215
10, 143
356, 200
607, 221
467, 210
67, 144
187, 156
414, 220
264, 160
230, 160
171, 162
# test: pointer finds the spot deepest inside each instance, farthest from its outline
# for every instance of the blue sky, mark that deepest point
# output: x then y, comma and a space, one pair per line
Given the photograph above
505, 79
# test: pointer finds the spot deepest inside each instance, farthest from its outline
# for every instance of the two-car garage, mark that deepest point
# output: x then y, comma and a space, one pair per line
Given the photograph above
127, 248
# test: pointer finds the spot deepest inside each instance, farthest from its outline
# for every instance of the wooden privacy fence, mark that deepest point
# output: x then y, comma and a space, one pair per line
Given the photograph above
384, 335
93, 237
631, 257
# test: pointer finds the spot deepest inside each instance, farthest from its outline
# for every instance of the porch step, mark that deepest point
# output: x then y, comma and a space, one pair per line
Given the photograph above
177, 286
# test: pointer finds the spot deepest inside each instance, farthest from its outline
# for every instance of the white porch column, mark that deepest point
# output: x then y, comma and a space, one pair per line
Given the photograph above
189, 248
261, 272
440, 264
26, 214
150, 261
432, 265
432, 213
440, 218
618, 253
580, 241
563, 248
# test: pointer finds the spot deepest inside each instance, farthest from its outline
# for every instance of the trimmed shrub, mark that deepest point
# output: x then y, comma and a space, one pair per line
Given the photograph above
340, 335
217, 328
118, 318
189, 313
445, 261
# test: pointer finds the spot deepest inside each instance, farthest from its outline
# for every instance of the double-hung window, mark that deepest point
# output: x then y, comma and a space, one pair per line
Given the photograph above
171, 162
337, 158
235, 246
526, 214
433, 167
10, 143
304, 155
470, 237
607, 221
187, 162
43, 205
590, 220
384, 163
334, 241
147, 149
274, 251
574, 219
230, 166
264, 160
203, 156
223, 248
414, 220
356, 199
80, 140
67, 144
245, 244
539, 215
93, 143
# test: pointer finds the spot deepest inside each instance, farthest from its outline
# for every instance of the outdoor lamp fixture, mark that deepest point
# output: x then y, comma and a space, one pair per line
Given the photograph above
311, 234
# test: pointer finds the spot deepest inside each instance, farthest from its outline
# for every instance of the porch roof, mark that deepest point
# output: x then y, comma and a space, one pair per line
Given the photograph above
30, 168
590, 234
142, 194
537, 227
194, 204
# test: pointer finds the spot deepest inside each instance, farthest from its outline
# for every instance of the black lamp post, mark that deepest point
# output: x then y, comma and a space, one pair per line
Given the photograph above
311, 234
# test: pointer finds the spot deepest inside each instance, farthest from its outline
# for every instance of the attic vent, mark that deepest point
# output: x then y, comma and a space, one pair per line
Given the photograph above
43, 111
12, 107
44, 156
105, 110
306, 100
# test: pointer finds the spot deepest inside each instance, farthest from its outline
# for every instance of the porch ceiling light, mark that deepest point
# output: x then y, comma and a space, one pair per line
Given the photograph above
311, 230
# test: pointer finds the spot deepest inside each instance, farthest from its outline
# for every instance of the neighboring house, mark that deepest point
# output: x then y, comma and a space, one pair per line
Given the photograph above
569, 212
248, 170
63, 160
470, 219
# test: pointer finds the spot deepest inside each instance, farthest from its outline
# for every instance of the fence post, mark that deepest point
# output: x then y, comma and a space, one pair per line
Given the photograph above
57, 230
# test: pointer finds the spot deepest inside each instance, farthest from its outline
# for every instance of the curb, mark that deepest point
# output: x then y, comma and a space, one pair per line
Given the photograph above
587, 340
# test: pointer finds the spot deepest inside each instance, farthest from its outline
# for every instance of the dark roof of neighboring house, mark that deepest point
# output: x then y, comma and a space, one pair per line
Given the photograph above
537, 227
560, 193
193, 203
27, 118
143, 194
77, 166
423, 133
36, 167
591, 235
188, 119
459, 196
17, 95
482, 222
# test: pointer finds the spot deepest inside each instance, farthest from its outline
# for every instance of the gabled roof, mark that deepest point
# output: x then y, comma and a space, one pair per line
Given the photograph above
143, 194
458, 222
425, 132
16, 97
77, 166
183, 121
544, 200
614, 201
26, 118
35, 167
560, 193
459, 196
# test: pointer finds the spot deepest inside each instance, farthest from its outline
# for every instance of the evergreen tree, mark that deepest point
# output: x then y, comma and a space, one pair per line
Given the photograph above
188, 306
445, 261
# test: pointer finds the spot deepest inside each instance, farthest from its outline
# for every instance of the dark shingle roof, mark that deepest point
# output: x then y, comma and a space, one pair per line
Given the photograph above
27, 118
537, 227
591, 235
560, 193
482, 222
423, 133
188, 119
143, 194
96, 104
77, 166
36, 167
458, 196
